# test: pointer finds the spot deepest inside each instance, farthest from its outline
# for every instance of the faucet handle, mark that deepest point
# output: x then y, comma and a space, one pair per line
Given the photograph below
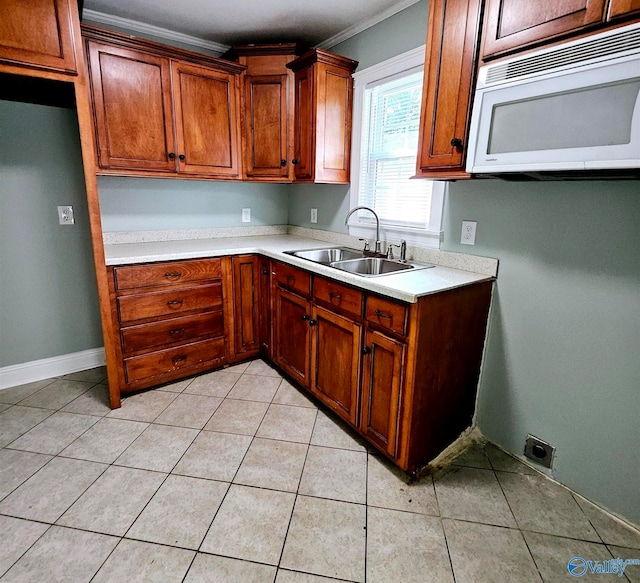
366, 245
390, 247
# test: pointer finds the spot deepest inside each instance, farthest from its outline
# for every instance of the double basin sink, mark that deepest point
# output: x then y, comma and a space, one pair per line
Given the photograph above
355, 262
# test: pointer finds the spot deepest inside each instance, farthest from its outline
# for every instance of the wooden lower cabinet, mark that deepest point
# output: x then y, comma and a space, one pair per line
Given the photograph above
246, 306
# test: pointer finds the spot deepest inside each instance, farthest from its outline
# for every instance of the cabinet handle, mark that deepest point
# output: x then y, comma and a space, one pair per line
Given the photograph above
383, 315
313, 322
182, 157
306, 317
294, 161
173, 274
456, 143
178, 360
283, 162
366, 350
171, 155
178, 332
175, 303
335, 295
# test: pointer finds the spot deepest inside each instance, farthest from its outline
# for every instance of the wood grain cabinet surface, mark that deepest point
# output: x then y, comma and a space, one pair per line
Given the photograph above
38, 34
157, 114
323, 110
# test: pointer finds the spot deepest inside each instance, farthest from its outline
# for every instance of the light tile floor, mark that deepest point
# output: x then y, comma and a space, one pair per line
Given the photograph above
236, 476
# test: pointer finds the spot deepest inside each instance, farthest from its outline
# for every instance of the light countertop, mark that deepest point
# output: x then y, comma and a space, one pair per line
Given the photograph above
407, 286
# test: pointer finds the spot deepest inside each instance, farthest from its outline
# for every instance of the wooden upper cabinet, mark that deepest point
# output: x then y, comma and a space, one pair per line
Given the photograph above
267, 110
512, 25
132, 108
205, 103
38, 33
323, 108
449, 76
156, 114
623, 8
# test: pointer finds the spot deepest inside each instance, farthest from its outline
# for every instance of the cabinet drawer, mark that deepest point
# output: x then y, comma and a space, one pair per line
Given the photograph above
166, 273
338, 295
171, 359
185, 329
387, 314
293, 278
163, 303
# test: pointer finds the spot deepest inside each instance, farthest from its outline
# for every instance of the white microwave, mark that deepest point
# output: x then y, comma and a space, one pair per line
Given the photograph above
571, 107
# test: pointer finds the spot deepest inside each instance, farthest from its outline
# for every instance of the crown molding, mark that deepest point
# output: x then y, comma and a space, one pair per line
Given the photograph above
361, 26
134, 25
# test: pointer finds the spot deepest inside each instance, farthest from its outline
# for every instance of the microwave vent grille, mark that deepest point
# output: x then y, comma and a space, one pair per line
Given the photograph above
603, 47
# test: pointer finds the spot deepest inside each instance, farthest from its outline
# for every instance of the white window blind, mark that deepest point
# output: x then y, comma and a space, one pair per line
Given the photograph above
390, 125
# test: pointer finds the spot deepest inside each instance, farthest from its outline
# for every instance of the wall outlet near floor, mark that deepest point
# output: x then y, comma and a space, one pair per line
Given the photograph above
65, 215
539, 451
314, 215
468, 236
246, 215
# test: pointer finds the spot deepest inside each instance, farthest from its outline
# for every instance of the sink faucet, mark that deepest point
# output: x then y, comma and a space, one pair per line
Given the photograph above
403, 251
375, 214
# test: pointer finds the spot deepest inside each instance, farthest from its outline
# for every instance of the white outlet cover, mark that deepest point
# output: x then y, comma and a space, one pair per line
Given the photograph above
65, 215
246, 215
468, 235
314, 215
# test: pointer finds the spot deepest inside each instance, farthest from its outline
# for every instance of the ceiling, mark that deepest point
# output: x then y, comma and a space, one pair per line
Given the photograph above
222, 23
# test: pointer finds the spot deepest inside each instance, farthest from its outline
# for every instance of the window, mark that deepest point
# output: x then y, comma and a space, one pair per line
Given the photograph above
385, 143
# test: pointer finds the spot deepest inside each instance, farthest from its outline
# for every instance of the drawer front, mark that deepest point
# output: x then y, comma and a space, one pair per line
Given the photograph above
387, 314
175, 301
170, 273
171, 359
293, 278
186, 329
338, 295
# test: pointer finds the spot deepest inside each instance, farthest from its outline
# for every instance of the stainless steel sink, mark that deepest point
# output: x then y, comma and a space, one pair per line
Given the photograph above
327, 256
372, 266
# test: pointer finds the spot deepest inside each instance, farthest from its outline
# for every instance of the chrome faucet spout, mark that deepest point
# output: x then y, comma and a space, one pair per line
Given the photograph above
375, 214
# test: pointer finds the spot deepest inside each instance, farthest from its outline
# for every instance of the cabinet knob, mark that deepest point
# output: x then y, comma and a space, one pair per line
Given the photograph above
265, 272
182, 157
283, 162
366, 350
171, 155
306, 317
313, 322
294, 161
456, 143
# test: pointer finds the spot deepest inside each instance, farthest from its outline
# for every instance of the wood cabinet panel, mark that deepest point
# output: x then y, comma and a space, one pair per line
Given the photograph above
337, 295
293, 278
305, 126
623, 8
174, 359
246, 304
171, 273
335, 362
266, 308
38, 33
388, 315
151, 305
132, 106
516, 24
382, 380
185, 329
206, 119
293, 335
449, 75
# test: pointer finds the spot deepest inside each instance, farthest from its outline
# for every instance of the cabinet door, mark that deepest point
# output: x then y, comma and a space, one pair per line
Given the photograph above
335, 362
622, 8
265, 325
207, 120
382, 377
305, 127
38, 33
266, 126
132, 104
293, 335
246, 304
515, 24
449, 76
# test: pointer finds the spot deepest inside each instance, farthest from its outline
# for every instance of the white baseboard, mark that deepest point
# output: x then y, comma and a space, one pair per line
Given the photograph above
37, 370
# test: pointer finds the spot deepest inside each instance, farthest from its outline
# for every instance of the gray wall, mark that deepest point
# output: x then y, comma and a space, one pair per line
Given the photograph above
48, 295
563, 346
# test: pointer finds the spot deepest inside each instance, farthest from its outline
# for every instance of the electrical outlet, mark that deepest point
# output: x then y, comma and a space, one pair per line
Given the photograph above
539, 451
314, 215
468, 236
246, 215
65, 215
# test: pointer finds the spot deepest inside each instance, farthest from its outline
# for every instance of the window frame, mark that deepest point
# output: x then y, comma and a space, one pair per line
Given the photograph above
430, 237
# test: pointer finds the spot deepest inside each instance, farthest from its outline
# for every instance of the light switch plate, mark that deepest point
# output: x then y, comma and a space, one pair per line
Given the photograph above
246, 215
314, 215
